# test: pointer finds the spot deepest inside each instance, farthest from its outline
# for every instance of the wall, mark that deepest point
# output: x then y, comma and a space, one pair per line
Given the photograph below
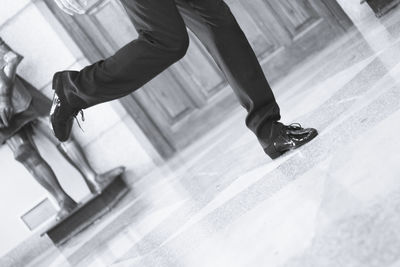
111, 137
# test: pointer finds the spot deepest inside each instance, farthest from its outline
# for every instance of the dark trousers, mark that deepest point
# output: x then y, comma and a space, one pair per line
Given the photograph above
163, 40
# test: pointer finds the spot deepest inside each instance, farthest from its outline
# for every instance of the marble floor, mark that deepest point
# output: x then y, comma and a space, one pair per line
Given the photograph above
334, 202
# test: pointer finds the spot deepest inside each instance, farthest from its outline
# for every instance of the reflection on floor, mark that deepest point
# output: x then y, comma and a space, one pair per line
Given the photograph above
335, 202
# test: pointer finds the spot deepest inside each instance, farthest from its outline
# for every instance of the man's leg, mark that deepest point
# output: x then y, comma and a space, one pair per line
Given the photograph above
213, 23
162, 41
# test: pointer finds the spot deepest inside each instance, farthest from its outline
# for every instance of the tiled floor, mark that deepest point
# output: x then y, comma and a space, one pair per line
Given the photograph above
334, 202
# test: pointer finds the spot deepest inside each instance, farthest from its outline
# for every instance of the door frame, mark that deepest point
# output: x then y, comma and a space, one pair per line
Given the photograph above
93, 54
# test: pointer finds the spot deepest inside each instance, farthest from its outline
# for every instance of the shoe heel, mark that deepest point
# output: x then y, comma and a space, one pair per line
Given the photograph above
272, 152
56, 82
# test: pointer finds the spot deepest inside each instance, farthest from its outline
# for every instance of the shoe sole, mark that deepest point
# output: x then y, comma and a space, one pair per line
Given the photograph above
50, 117
273, 153
55, 87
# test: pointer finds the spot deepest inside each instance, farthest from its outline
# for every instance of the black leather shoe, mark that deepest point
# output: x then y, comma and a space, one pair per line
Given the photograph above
61, 114
290, 137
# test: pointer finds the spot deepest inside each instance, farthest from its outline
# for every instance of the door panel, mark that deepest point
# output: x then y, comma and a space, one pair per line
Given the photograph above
296, 16
119, 32
261, 32
170, 103
191, 97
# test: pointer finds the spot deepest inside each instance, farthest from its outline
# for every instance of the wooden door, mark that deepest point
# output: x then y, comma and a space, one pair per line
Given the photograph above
192, 96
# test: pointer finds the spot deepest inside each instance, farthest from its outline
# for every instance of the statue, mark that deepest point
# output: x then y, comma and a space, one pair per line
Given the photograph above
23, 111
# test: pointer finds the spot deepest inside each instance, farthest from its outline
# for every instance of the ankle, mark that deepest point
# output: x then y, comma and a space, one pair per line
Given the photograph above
12, 57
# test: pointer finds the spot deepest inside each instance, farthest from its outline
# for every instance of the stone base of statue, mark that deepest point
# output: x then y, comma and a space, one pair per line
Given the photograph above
87, 212
381, 7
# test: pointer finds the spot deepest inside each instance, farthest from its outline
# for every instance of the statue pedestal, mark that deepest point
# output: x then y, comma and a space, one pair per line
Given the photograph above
381, 7
87, 212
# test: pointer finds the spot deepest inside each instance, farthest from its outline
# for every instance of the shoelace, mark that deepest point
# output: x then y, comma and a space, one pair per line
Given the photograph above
82, 118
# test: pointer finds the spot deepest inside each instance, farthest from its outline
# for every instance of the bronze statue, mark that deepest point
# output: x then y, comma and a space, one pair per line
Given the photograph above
23, 110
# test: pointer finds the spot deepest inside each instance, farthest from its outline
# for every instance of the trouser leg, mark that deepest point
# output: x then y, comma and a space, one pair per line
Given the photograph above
162, 41
213, 23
